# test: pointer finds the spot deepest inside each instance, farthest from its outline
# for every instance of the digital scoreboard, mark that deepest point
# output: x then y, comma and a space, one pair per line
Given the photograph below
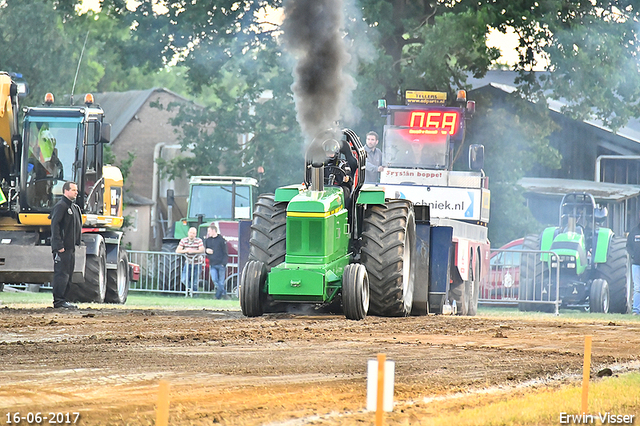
428, 121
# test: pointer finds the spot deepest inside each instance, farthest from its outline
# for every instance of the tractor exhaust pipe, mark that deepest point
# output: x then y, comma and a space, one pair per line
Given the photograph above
317, 177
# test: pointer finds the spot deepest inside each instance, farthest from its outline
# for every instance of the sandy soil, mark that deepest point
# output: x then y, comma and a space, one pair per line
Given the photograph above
223, 368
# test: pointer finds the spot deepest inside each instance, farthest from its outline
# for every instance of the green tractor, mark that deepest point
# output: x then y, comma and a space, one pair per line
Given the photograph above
591, 262
331, 241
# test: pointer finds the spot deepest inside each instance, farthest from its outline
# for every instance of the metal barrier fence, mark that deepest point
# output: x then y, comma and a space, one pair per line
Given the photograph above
528, 279
166, 272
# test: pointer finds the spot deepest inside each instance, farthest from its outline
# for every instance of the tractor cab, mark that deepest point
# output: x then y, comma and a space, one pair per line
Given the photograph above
580, 218
336, 159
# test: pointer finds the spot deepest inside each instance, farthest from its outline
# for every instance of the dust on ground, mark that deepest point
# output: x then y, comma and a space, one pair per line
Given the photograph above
279, 369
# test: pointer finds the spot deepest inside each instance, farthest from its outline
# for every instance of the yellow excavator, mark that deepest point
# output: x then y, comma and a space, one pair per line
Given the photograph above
58, 144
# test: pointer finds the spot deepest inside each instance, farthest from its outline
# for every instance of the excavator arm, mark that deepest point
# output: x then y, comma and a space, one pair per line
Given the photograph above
9, 129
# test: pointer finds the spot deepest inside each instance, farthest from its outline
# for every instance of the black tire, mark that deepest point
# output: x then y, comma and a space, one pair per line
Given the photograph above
268, 242
118, 280
355, 291
472, 299
388, 253
231, 286
268, 232
534, 276
252, 282
170, 268
460, 293
465, 294
599, 296
94, 287
617, 272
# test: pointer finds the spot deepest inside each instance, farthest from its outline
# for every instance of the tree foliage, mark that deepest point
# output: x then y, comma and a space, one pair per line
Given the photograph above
591, 47
48, 42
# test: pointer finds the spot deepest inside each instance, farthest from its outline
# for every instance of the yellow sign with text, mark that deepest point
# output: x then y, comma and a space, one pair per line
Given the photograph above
425, 98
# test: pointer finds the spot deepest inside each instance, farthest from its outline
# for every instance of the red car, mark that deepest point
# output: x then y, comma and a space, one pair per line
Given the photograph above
504, 277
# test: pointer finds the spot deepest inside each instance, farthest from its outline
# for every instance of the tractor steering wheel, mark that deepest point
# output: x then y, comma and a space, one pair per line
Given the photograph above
339, 175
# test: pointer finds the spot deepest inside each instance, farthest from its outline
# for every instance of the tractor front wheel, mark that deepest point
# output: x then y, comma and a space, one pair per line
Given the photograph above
355, 291
118, 280
599, 296
252, 295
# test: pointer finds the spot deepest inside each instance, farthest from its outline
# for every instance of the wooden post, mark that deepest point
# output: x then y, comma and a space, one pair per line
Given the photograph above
162, 414
586, 373
380, 400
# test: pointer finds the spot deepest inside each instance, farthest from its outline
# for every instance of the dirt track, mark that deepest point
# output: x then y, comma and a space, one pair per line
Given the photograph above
223, 368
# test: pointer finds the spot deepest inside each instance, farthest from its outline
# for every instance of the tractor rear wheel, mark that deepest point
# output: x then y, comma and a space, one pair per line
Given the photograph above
388, 253
268, 238
118, 280
268, 231
94, 287
617, 272
599, 296
252, 282
170, 268
355, 291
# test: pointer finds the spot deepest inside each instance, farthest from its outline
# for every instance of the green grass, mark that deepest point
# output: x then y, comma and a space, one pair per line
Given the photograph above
499, 312
174, 301
613, 395
135, 300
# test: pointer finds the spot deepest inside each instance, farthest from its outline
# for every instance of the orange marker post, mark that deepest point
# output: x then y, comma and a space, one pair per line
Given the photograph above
586, 373
162, 414
380, 400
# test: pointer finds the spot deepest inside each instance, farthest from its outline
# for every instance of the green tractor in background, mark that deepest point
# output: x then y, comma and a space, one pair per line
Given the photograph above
223, 200
331, 239
594, 268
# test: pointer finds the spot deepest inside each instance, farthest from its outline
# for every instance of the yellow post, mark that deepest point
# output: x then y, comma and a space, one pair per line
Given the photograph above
162, 414
380, 400
586, 373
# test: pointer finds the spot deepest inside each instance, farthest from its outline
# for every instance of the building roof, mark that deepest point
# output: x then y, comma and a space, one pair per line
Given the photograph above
601, 191
505, 81
120, 107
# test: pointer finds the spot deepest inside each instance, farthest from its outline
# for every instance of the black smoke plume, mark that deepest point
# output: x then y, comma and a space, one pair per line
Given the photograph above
313, 33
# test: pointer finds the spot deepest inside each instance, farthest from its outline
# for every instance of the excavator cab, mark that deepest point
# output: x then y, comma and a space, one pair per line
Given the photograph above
62, 146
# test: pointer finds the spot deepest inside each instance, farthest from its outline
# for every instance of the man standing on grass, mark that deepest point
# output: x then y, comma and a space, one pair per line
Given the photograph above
193, 247
66, 234
216, 250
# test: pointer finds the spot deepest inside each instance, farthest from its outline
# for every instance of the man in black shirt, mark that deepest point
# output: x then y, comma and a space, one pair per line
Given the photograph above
66, 230
215, 247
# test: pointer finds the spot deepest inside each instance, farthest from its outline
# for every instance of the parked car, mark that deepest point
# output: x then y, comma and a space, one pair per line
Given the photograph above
504, 277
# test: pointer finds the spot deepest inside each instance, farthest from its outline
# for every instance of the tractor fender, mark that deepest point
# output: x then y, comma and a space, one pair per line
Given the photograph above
547, 237
601, 245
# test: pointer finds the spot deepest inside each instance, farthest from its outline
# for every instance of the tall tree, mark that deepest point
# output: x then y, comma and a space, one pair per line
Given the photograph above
37, 45
591, 45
